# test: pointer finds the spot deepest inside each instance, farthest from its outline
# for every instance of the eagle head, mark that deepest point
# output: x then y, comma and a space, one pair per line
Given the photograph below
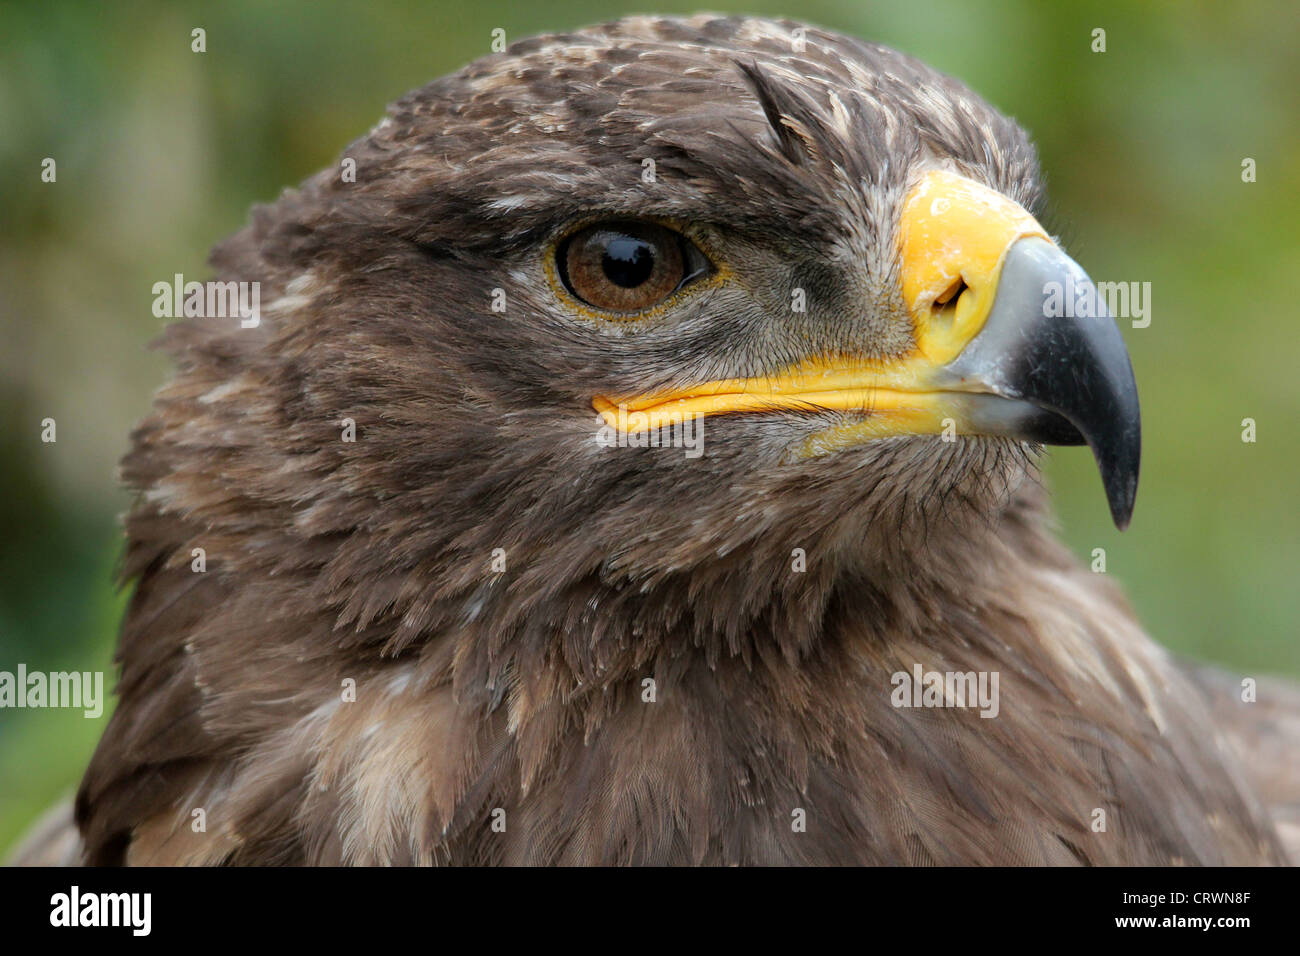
643, 310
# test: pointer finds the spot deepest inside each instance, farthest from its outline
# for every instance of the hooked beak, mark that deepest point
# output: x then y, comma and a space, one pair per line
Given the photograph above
994, 354
1061, 381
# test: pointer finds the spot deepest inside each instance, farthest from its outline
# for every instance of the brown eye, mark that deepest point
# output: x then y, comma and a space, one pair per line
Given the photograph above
627, 266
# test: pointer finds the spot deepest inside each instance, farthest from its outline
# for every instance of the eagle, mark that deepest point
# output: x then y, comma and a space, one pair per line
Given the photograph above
635, 463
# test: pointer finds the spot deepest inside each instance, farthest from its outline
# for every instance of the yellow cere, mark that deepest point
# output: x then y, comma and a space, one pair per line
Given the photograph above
955, 230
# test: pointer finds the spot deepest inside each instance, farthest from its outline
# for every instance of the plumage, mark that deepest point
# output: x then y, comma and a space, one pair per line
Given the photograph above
523, 690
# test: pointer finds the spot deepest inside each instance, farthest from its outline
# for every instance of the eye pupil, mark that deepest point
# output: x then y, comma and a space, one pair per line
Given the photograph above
628, 262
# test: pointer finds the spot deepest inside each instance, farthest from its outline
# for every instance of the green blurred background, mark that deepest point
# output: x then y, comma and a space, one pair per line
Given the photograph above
160, 151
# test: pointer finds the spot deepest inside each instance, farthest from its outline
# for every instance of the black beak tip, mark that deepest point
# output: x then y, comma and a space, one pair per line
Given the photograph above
1119, 468
1121, 501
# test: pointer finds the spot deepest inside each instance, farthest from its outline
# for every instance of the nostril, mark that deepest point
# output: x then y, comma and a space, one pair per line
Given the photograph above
944, 311
951, 294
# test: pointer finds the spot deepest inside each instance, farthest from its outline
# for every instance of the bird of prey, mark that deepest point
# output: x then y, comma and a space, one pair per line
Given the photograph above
620, 452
